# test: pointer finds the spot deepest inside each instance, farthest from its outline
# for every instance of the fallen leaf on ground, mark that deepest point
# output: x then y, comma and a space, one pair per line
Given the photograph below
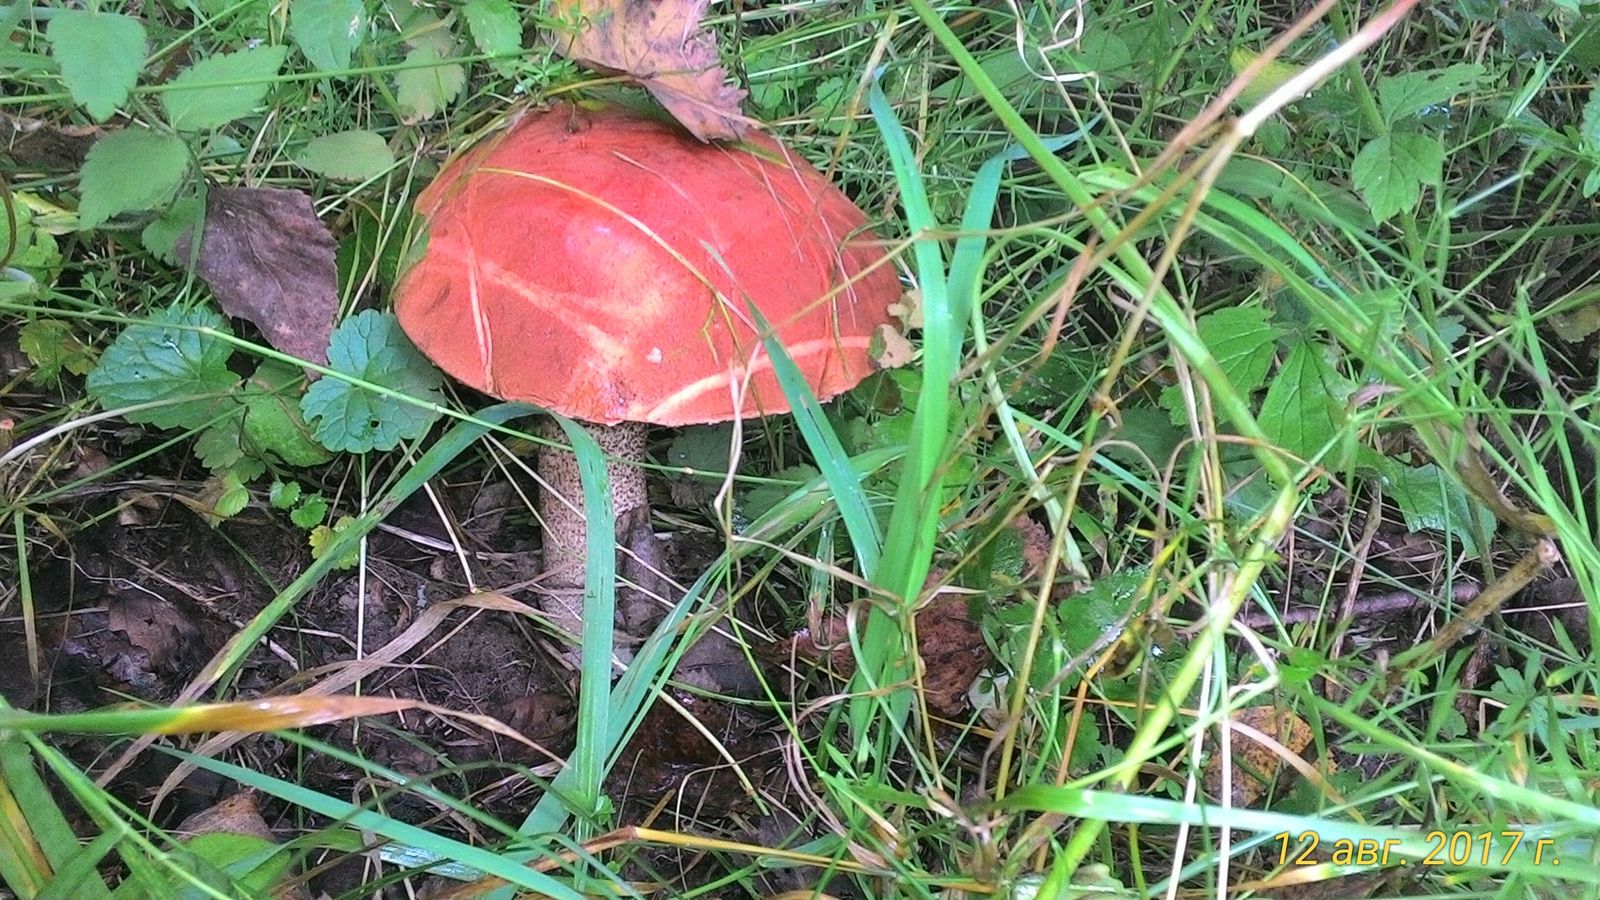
1256, 766
660, 43
269, 259
949, 641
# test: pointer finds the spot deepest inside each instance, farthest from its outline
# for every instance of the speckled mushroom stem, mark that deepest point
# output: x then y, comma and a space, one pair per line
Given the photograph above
561, 509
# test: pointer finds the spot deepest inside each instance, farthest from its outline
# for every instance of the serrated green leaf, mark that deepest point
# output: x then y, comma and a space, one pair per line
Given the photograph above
220, 446
428, 87
1392, 168
216, 90
273, 425
348, 155
232, 496
327, 31
370, 347
1430, 499
164, 359
1299, 413
52, 348
100, 56
1409, 93
495, 27
284, 494
310, 513
321, 538
1242, 340
129, 170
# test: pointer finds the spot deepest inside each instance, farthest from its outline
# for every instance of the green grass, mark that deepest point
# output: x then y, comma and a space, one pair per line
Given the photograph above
1166, 330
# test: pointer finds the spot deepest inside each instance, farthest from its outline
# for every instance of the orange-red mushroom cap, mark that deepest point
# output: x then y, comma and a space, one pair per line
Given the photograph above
602, 264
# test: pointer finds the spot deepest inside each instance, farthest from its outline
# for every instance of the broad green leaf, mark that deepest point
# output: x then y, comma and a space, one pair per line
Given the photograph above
100, 56
273, 425
1392, 168
165, 358
131, 169
370, 347
327, 31
495, 26
216, 90
427, 85
1409, 93
1241, 339
1431, 499
347, 155
1299, 413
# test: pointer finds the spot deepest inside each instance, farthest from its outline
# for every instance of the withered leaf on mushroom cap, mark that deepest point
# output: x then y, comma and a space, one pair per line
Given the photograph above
661, 43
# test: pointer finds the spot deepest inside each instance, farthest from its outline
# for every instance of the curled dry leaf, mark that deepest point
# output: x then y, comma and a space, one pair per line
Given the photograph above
660, 43
269, 259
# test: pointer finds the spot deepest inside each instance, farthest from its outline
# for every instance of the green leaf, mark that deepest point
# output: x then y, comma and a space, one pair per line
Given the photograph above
33, 250
284, 494
348, 155
215, 91
425, 89
165, 358
370, 347
1391, 170
495, 26
127, 170
327, 31
1300, 410
1431, 499
1590, 129
100, 56
52, 348
310, 513
273, 425
1242, 340
221, 446
1409, 93
322, 539
703, 448
232, 496
160, 237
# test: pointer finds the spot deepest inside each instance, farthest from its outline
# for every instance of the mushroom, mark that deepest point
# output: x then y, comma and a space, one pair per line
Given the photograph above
601, 263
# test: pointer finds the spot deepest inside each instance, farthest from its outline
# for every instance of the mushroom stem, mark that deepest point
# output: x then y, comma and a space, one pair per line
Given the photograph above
565, 528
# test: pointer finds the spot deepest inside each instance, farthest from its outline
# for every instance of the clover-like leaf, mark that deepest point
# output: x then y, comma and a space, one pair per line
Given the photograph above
167, 358
369, 347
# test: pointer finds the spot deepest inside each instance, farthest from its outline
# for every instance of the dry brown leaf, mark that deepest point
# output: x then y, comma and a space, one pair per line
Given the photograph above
660, 43
269, 259
1256, 766
890, 349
